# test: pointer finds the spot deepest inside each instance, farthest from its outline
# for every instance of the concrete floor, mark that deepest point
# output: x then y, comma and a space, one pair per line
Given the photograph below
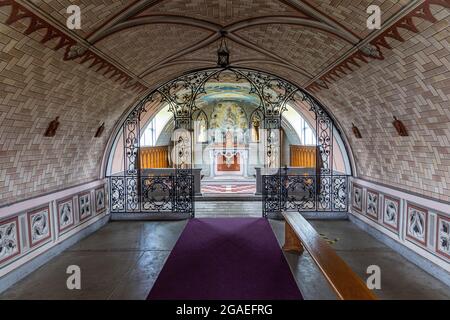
400, 279
120, 261
123, 259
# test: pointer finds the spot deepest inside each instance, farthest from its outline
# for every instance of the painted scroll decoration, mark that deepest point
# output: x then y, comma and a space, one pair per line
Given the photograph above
39, 226
85, 205
65, 214
9, 240
417, 224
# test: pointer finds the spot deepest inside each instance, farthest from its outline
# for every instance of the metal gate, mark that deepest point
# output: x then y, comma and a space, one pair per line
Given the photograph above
304, 193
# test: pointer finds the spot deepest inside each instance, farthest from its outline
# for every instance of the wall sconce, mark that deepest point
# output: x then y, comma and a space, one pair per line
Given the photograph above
52, 127
356, 131
400, 127
100, 130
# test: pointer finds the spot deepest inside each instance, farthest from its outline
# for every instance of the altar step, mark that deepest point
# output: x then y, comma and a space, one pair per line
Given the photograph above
228, 179
228, 188
228, 197
230, 208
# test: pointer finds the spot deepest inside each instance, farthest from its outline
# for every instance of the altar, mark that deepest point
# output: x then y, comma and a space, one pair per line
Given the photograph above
228, 161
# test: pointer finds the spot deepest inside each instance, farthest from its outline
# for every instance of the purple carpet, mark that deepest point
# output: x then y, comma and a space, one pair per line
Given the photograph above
226, 258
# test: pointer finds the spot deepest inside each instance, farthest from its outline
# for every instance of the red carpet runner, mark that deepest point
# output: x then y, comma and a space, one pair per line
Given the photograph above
226, 258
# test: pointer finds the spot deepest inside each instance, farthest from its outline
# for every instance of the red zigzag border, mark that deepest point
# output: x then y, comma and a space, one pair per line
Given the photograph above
110, 71
422, 12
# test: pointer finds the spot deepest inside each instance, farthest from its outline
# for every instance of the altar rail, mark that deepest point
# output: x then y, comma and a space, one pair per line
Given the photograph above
304, 193
168, 193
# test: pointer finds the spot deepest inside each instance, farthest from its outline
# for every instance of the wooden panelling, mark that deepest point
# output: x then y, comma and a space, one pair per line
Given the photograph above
154, 157
303, 156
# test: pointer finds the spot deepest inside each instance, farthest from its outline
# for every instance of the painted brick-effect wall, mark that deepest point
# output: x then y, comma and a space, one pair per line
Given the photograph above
36, 85
412, 83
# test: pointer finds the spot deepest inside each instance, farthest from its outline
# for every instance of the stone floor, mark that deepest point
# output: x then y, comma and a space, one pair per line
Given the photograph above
123, 259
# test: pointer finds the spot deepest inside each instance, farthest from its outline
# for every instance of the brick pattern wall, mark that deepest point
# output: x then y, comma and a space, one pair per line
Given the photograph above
139, 47
237, 52
279, 70
352, 13
412, 83
223, 12
167, 73
93, 13
36, 85
309, 48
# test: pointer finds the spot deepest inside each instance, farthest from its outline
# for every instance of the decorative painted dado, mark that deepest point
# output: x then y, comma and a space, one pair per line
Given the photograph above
443, 236
416, 224
357, 197
372, 206
39, 226
100, 199
421, 224
391, 213
9, 239
31, 227
65, 214
84, 202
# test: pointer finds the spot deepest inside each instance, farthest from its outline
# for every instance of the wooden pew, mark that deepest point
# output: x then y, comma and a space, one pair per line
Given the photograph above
300, 235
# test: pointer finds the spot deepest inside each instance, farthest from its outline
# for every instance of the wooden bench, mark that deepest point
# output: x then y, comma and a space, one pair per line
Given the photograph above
300, 235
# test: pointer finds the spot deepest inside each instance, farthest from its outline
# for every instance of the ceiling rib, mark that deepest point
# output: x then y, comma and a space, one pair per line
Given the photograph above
316, 19
274, 56
213, 63
160, 19
205, 42
391, 21
135, 8
289, 20
309, 10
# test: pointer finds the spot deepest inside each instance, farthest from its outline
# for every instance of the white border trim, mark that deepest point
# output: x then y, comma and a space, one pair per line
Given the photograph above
25, 205
433, 207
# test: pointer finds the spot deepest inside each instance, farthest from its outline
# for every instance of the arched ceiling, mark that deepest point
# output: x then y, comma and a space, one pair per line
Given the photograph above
298, 39
126, 48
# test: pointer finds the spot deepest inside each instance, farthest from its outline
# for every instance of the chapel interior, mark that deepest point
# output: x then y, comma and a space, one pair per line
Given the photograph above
217, 150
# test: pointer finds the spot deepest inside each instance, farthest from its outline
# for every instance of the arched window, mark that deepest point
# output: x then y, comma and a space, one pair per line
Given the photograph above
306, 134
154, 127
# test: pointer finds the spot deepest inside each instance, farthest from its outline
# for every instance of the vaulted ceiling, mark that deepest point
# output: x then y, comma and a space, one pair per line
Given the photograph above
297, 39
126, 48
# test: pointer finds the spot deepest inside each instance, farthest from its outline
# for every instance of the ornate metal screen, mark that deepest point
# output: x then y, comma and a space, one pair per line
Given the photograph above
152, 194
299, 193
133, 191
